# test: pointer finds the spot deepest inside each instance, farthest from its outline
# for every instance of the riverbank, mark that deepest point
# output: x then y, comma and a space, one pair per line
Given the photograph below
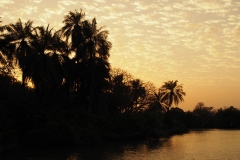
34, 127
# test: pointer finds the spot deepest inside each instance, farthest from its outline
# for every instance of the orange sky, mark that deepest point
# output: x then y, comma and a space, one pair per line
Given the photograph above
196, 42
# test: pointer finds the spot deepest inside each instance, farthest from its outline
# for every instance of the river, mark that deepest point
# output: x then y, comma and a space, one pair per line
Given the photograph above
197, 144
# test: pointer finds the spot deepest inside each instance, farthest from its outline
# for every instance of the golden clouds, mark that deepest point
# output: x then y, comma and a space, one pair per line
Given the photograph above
55, 10
68, 2
5, 2
37, 1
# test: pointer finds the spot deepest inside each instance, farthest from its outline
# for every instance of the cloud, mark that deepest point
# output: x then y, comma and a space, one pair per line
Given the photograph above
68, 2
44, 17
100, 1
37, 1
9, 16
6, 2
140, 6
57, 11
29, 9
119, 6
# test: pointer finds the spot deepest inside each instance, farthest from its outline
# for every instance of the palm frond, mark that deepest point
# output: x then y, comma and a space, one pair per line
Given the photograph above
172, 93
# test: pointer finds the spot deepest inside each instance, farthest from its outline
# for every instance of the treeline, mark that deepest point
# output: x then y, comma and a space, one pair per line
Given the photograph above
129, 112
69, 95
207, 117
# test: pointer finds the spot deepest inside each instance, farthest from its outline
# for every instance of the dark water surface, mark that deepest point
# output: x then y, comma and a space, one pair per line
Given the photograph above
198, 144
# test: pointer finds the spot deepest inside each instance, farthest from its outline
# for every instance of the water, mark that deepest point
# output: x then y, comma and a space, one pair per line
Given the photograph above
198, 144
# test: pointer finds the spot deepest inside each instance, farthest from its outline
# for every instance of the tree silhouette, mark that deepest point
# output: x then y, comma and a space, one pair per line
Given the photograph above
3, 58
47, 71
95, 43
138, 96
72, 28
95, 50
172, 93
204, 116
201, 109
119, 92
228, 117
19, 45
127, 94
156, 102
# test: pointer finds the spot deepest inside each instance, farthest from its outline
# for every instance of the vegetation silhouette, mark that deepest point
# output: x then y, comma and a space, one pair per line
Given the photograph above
76, 98
171, 93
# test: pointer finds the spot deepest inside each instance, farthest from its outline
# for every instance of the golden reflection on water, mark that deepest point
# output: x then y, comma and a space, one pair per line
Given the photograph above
141, 150
205, 144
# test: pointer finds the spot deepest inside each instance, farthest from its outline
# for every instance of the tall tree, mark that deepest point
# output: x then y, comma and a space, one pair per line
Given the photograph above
119, 93
2, 57
47, 73
156, 102
72, 30
20, 45
138, 95
94, 53
91, 52
6, 53
95, 41
91, 49
127, 94
172, 93
72, 27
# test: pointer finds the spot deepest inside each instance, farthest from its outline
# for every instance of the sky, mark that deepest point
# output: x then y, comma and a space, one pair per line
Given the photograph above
196, 42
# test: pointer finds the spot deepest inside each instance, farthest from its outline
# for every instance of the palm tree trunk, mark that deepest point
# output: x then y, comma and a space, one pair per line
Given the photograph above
91, 60
91, 86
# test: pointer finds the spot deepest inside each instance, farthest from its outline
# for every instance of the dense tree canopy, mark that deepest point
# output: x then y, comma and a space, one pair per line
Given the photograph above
43, 56
85, 80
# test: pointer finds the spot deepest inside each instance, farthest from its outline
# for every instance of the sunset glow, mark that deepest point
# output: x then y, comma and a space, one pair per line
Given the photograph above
196, 42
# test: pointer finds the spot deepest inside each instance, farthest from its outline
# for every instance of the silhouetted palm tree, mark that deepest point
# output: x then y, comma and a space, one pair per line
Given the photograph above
91, 54
138, 94
72, 27
20, 45
172, 93
157, 103
94, 51
2, 44
95, 44
47, 70
43, 40
5, 64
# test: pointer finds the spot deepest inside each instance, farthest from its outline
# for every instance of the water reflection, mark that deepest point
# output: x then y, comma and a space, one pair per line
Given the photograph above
118, 150
208, 144
115, 150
